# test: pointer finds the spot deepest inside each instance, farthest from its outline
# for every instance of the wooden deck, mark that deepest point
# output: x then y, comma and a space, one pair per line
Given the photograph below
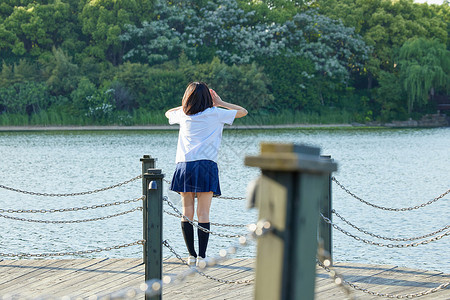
81, 278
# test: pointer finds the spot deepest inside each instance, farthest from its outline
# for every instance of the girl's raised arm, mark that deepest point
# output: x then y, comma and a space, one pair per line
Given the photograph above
217, 101
172, 109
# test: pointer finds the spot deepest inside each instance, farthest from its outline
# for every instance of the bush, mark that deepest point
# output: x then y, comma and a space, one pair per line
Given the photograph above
246, 85
291, 83
25, 98
164, 89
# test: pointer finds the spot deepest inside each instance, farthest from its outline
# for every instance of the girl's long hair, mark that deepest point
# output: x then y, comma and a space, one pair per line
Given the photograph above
196, 98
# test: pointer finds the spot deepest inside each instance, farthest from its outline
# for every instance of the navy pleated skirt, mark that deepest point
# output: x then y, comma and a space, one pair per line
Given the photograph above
196, 176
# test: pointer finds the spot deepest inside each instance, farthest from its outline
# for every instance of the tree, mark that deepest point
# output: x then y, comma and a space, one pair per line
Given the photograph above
35, 28
62, 75
103, 21
424, 69
334, 49
385, 25
278, 11
162, 39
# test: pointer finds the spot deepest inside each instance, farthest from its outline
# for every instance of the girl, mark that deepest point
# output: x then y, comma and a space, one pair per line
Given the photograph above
196, 174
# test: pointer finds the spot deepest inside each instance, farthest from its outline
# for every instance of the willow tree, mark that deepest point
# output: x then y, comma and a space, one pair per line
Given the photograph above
424, 69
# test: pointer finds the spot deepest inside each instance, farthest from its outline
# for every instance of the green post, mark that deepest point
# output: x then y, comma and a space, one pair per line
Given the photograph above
288, 195
147, 163
325, 229
153, 226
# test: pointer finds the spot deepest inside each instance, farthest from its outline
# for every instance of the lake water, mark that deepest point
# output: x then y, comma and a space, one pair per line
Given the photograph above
389, 167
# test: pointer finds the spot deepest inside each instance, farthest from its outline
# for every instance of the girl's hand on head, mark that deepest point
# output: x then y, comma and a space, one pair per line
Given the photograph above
215, 98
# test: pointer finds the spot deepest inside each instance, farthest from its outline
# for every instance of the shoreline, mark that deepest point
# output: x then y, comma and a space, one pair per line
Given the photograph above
165, 127
232, 127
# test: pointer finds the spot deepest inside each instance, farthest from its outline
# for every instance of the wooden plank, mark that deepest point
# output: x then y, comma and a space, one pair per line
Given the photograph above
22, 270
96, 272
391, 280
87, 277
403, 281
350, 273
132, 274
46, 273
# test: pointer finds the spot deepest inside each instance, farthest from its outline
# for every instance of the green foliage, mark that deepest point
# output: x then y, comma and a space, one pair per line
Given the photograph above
151, 88
246, 85
291, 84
278, 11
25, 98
157, 43
390, 97
424, 69
33, 28
386, 25
125, 61
101, 106
23, 71
80, 95
62, 75
164, 89
104, 20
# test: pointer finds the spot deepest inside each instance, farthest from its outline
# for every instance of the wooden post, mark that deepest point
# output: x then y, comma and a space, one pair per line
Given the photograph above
147, 163
153, 227
288, 195
325, 229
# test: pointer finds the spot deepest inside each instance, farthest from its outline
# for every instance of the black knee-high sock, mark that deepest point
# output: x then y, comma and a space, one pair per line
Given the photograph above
203, 238
188, 234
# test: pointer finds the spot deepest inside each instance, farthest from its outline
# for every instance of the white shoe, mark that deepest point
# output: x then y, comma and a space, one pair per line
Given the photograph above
191, 260
201, 262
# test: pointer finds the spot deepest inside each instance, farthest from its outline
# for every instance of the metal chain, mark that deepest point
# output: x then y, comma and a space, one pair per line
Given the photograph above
71, 194
388, 238
72, 221
338, 279
202, 273
196, 225
220, 197
388, 208
153, 287
140, 242
55, 210
398, 296
385, 245
212, 223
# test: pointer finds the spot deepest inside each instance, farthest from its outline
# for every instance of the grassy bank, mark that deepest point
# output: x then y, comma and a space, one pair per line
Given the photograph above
140, 117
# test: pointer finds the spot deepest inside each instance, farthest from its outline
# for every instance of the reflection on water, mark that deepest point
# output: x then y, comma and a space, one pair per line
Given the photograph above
389, 167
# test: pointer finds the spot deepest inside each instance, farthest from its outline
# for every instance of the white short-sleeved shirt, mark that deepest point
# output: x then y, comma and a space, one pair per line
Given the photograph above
200, 134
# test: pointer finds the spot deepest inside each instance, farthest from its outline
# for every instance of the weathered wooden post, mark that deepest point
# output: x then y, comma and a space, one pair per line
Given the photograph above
288, 195
147, 163
325, 229
153, 227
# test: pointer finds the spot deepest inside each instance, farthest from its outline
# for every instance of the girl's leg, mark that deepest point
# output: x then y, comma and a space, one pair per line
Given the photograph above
203, 207
186, 227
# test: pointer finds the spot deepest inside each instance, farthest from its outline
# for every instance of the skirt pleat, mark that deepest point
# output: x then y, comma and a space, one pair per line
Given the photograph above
196, 176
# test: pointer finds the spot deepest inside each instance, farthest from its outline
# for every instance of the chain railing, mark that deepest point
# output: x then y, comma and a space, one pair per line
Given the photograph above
58, 210
153, 287
388, 208
166, 199
72, 221
57, 254
447, 233
212, 223
389, 238
71, 194
202, 273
